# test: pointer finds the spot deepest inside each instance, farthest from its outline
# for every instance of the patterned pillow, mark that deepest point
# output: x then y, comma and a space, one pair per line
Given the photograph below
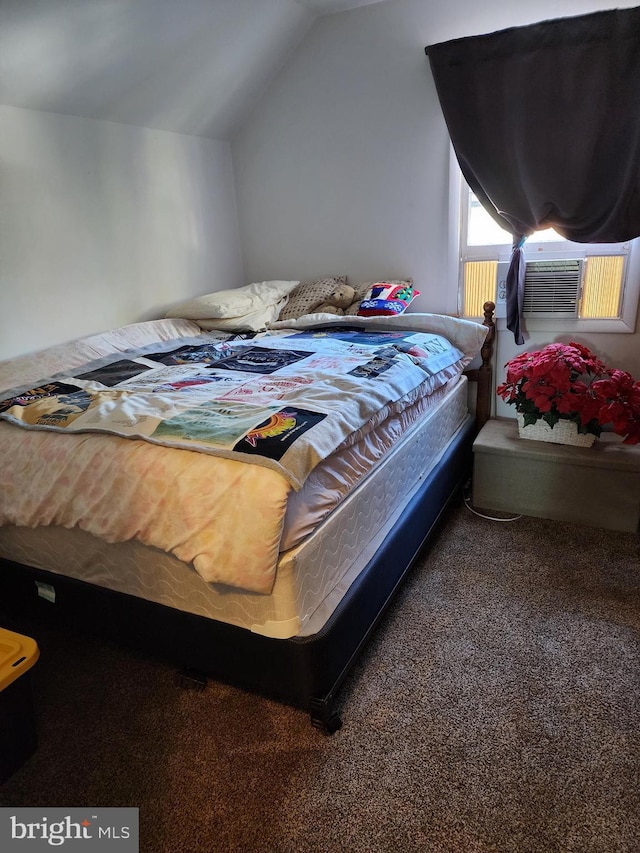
387, 298
363, 288
308, 295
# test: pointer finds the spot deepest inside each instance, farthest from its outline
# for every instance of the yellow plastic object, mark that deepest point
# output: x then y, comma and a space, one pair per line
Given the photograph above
17, 655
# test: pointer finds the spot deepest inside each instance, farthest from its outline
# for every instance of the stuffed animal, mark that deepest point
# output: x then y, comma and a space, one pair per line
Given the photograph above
341, 298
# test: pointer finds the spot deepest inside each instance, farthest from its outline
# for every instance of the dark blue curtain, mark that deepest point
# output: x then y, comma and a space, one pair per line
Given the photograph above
545, 123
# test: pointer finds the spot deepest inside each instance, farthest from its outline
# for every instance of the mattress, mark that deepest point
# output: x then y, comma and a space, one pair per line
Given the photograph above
312, 576
210, 509
332, 480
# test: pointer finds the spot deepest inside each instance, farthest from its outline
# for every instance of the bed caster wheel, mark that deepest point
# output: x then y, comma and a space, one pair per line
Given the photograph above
333, 724
328, 726
323, 718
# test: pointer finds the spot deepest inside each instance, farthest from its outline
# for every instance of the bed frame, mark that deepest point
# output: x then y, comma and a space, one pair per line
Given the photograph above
306, 672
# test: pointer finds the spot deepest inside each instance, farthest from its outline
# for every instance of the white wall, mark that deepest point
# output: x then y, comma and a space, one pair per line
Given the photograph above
104, 224
343, 168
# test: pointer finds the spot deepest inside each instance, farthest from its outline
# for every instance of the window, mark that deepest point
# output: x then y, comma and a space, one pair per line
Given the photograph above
568, 286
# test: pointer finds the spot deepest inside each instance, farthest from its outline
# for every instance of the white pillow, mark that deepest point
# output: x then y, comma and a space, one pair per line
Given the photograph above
254, 321
238, 302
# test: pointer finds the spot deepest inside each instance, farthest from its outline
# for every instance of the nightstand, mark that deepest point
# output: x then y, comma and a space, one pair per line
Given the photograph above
598, 486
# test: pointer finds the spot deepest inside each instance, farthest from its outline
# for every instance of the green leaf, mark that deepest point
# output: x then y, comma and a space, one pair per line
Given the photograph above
591, 427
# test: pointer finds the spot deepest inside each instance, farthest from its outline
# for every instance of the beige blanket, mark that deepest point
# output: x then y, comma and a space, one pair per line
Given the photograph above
117, 489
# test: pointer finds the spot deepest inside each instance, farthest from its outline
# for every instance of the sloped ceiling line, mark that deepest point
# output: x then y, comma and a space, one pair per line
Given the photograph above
194, 67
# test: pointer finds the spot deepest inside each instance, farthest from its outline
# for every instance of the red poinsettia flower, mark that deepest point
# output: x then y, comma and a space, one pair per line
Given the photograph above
568, 381
567, 405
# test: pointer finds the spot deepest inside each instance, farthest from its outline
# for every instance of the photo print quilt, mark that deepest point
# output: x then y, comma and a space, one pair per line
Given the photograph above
283, 399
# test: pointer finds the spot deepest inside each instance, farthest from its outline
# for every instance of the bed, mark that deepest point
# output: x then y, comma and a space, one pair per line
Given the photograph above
264, 562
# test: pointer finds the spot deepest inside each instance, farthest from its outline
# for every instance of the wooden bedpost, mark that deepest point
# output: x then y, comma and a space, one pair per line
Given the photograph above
485, 371
484, 374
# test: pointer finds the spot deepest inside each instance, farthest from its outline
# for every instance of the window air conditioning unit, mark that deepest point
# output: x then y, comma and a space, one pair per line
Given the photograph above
552, 288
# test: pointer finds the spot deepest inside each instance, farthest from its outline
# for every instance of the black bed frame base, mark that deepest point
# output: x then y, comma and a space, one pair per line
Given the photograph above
306, 672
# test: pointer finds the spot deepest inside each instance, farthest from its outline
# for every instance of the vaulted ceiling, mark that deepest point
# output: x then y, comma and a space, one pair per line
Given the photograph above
189, 66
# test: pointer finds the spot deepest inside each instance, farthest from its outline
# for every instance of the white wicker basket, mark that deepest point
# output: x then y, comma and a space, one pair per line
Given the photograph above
564, 432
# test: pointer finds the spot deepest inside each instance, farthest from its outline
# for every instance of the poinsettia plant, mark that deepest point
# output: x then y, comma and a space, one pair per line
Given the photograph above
567, 381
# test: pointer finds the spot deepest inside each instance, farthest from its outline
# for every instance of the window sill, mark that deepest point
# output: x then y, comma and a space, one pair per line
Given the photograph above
566, 326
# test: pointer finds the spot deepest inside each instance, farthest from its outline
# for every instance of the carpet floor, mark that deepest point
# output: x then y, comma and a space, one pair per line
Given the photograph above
496, 710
